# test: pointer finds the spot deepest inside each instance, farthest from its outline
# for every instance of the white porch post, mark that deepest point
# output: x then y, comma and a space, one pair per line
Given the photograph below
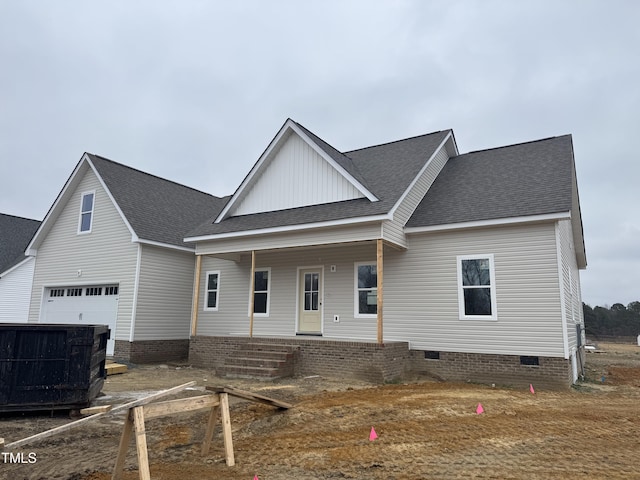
253, 291
380, 286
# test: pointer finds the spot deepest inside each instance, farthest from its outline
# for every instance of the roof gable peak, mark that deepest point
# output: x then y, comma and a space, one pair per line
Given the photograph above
297, 169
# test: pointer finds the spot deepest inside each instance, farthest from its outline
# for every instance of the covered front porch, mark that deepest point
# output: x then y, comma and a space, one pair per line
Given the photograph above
333, 291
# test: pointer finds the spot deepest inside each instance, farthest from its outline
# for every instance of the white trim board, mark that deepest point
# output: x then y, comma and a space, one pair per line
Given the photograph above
489, 223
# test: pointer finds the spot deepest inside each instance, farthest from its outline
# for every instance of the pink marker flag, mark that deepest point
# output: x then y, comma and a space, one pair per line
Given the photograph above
531, 389
479, 410
255, 477
373, 435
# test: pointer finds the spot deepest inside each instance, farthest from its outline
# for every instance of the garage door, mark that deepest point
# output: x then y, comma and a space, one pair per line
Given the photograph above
87, 305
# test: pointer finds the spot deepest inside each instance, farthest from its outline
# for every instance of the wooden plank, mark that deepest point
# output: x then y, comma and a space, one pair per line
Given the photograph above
196, 297
253, 292
125, 439
115, 368
208, 434
254, 397
94, 410
226, 430
152, 397
141, 443
380, 286
76, 423
170, 407
54, 431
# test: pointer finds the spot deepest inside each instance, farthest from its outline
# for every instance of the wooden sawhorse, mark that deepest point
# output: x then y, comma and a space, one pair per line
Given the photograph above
218, 402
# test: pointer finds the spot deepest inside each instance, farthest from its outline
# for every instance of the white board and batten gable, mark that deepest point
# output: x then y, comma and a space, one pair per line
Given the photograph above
294, 171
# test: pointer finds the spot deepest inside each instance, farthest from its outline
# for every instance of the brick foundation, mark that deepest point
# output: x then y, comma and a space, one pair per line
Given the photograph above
391, 361
147, 351
332, 358
551, 372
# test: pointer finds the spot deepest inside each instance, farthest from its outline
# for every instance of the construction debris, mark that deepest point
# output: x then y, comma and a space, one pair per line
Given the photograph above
76, 423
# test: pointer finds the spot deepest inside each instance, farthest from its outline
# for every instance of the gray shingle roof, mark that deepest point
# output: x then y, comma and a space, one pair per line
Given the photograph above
531, 178
386, 170
157, 209
343, 160
15, 235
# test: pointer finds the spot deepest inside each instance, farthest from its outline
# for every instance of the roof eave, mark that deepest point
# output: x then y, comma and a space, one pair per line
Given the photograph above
16, 266
170, 246
56, 207
288, 228
548, 217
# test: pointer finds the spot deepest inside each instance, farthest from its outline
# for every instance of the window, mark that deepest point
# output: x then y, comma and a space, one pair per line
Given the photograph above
311, 292
86, 212
261, 292
93, 291
56, 292
366, 276
74, 292
111, 290
213, 289
476, 287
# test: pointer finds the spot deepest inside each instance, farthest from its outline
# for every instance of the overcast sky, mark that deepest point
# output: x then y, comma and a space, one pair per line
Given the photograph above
193, 91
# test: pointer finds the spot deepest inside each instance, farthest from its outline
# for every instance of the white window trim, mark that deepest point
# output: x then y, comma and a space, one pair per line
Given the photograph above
262, 269
93, 209
492, 280
356, 301
206, 291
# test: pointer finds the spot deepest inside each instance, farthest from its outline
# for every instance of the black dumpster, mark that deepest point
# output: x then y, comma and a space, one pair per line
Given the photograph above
51, 366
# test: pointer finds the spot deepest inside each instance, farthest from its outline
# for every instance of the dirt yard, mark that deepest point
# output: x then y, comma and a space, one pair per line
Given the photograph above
425, 430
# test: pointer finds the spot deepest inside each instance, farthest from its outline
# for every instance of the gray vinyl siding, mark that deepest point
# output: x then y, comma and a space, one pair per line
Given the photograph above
394, 229
15, 293
324, 236
421, 294
571, 282
106, 255
164, 294
338, 294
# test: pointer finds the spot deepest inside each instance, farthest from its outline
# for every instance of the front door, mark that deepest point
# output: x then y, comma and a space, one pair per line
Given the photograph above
310, 302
